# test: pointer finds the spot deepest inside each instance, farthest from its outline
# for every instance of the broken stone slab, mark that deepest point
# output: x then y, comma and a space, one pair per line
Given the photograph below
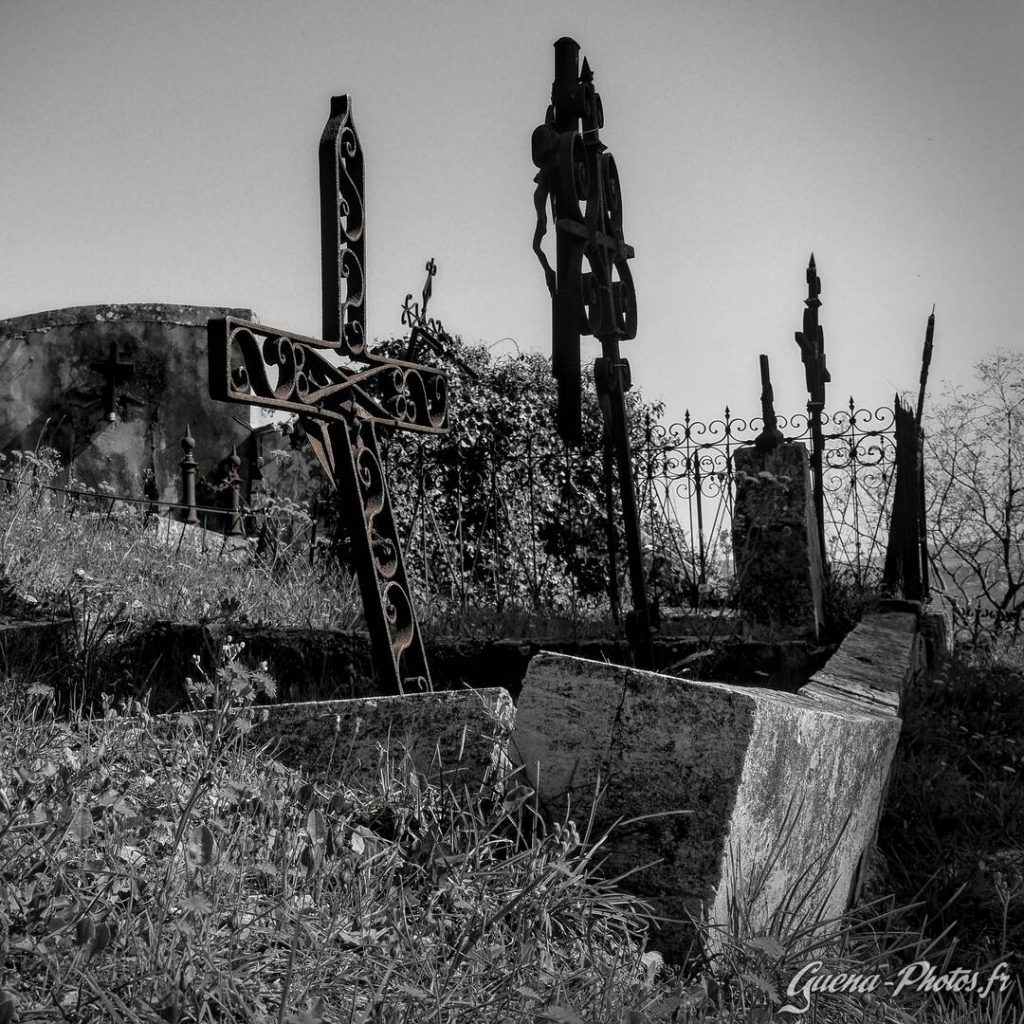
935, 623
767, 778
873, 665
452, 737
33, 651
170, 531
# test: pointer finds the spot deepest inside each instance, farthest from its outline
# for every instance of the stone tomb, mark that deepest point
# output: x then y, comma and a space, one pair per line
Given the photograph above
113, 388
782, 791
452, 737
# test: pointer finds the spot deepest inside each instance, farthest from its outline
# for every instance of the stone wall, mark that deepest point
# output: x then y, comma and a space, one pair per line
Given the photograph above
52, 392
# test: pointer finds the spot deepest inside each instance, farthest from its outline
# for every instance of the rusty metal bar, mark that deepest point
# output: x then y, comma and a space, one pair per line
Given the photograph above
926, 362
812, 351
188, 478
770, 437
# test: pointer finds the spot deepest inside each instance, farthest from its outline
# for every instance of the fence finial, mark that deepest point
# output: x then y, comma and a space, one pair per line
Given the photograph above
235, 487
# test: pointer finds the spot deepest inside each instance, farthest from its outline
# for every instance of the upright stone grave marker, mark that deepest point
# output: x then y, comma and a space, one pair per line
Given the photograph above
340, 406
775, 534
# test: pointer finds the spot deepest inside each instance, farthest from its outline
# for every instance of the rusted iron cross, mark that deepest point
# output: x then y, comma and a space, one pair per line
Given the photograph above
812, 351
341, 407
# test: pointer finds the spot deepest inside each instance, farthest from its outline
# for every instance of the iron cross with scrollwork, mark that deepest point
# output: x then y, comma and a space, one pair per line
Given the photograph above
577, 174
341, 407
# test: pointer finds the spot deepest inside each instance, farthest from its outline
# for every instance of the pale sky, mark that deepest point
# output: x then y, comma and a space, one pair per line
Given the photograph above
166, 152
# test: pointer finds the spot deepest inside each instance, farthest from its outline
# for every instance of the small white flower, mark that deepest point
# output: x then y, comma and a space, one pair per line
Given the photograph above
653, 963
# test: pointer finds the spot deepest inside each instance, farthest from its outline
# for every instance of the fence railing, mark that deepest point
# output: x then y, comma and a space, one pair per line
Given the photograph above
534, 526
690, 463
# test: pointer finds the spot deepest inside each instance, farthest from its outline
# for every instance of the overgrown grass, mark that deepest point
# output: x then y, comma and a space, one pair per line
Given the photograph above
154, 568
155, 870
158, 873
169, 872
162, 570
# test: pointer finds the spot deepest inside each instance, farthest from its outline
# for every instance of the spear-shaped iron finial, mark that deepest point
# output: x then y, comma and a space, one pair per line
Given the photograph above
812, 340
428, 285
926, 362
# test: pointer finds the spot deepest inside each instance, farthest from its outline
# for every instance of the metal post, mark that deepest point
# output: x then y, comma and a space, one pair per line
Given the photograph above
926, 361
235, 495
657, 558
611, 532
702, 576
854, 491
638, 622
534, 581
188, 478
812, 351
574, 167
421, 501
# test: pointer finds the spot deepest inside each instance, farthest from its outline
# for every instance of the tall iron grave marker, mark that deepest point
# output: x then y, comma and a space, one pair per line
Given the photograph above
340, 407
577, 174
812, 352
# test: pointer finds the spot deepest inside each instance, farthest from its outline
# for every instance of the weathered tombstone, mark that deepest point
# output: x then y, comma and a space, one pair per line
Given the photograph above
340, 407
574, 168
775, 534
113, 388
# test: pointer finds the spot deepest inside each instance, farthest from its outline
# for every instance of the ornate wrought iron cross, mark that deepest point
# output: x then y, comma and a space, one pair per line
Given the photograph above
341, 407
574, 168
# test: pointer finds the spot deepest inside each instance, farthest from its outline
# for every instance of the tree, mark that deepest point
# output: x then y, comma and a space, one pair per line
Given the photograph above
975, 450
499, 510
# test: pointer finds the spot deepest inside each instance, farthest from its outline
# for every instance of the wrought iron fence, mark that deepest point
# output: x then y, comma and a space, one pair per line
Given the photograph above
534, 526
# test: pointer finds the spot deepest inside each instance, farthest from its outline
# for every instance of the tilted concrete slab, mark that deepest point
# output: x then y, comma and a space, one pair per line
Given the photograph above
751, 765
873, 664
455, 737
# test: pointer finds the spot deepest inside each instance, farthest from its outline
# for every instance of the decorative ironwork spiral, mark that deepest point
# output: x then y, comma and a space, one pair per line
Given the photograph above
291, 372
342, 230
398, 609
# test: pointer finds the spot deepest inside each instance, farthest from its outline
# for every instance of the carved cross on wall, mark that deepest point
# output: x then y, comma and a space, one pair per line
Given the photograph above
116, 373
340, 406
